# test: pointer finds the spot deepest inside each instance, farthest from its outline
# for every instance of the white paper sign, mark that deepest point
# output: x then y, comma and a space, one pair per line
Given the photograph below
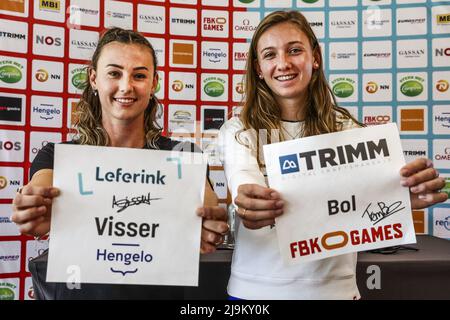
126, 216
342, 193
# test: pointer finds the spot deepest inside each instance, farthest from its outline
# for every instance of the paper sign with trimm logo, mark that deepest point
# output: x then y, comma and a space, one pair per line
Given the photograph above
126, 216
342, 193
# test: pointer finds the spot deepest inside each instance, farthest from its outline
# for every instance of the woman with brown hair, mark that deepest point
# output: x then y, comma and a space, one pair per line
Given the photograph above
287, 97
117, 109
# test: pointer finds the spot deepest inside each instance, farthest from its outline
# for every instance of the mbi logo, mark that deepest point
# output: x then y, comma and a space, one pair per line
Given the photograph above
289, 164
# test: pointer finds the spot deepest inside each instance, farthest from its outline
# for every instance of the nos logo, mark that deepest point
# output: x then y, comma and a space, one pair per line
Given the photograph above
289, 164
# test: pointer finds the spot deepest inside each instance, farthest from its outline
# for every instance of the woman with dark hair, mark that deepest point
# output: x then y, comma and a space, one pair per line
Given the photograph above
287, 97
118, 109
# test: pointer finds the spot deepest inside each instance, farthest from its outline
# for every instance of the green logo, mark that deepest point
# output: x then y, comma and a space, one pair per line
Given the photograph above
214, 89
158, 87
446, 188
411, 88
343, 89
80, 79
310, 1
10, 74
246, 1
6, 294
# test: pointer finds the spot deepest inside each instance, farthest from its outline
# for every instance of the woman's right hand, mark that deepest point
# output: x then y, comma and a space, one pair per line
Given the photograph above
32, 209
258, 206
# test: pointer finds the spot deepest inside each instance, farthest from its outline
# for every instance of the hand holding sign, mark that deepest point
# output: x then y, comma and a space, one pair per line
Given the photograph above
121, 218
424, 183
351, 197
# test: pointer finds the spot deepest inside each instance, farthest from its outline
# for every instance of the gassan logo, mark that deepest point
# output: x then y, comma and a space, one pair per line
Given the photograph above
441, 85
411, 86
10, 72
343, 87
214, 87
79, 78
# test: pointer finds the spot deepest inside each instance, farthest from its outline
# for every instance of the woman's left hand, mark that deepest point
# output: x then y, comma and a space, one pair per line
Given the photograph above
214, 227
423, 182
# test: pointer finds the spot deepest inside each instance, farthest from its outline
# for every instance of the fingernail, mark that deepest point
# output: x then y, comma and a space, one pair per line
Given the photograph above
279, 212
279, 204
429, 163
422, 196
42, 208
199, 212
54, 192
274, 195
404, 182
414, 189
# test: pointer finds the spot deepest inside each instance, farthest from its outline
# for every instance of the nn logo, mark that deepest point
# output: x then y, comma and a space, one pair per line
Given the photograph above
289, 164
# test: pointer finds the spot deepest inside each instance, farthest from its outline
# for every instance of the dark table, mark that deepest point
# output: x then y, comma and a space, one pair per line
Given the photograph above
406, 274
422, 274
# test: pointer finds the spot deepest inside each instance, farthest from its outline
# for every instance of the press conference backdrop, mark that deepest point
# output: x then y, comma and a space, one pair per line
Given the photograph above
387, 61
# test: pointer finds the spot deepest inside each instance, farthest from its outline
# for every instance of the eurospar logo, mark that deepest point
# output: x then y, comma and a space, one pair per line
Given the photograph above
333, 157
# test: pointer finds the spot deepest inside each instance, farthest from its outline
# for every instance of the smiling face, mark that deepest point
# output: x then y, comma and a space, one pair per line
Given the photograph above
125, 80
286, 61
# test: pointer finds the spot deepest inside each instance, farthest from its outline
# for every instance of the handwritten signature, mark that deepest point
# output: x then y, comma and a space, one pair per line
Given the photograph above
383, 212
122, 204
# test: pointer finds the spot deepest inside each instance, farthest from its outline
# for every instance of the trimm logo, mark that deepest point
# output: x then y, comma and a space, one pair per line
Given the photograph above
329, 157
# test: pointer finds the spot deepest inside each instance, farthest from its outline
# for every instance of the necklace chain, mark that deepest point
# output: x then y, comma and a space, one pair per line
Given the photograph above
297, 135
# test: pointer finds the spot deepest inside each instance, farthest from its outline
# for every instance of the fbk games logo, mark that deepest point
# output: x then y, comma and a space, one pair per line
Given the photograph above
289, 164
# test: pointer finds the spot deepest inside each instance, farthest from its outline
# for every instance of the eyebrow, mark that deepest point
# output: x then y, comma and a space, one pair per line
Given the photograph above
289, 43
120, 67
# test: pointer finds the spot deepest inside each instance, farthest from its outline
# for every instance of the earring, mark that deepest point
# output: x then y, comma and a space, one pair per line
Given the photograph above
260, 76
95, 92
316, 65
